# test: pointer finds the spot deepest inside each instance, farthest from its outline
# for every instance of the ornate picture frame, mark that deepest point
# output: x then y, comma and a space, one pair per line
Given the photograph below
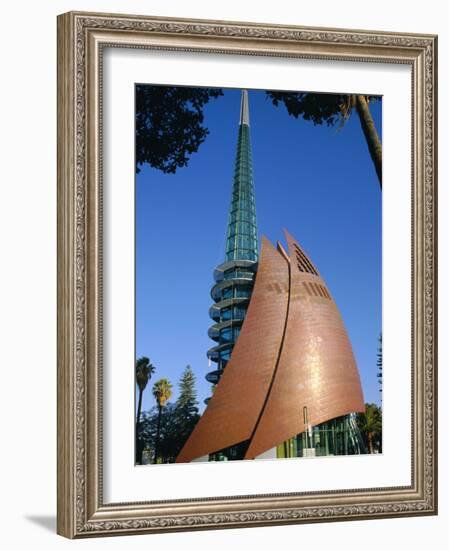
82, 38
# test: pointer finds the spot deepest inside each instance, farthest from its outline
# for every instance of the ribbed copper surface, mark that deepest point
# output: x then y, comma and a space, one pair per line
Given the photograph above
234, 408
293, 352
316, 368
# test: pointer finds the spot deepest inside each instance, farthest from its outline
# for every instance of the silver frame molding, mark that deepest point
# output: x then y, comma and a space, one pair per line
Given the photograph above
81, 37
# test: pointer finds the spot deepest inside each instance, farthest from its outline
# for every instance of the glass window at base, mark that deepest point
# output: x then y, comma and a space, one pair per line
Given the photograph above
236, 452
339, 436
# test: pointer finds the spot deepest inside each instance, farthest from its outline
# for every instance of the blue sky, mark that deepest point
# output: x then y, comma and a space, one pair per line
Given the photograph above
317, 182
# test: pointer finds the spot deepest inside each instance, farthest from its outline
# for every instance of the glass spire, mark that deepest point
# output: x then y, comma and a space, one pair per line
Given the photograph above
241, 239
234, 278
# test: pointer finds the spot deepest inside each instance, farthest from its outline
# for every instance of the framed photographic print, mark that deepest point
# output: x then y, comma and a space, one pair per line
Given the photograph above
246, 276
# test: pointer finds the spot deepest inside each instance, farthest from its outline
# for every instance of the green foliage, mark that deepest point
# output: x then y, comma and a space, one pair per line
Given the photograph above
187, 412
187, 402
166, 428
166, 440
144, 370
328, 109
169, 124
162, 391
370, 426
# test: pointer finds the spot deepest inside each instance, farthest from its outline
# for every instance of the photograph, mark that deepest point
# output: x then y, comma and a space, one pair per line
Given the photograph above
247, 282
258, 274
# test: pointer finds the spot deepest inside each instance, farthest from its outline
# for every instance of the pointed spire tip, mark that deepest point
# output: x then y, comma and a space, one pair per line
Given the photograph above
244, 108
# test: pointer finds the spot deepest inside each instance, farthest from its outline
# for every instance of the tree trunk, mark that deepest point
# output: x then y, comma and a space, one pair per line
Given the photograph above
139, 407
370, 132
139, 447
370, 443
158, 433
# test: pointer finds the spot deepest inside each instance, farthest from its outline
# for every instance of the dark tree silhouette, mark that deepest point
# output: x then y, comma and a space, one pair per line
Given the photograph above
159, 428
165, 429
162, 391
169, 124
187, 412
144, 370
379, 364
331, 109
370, 425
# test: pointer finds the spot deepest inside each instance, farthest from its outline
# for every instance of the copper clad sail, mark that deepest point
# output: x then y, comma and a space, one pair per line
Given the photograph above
232, 412
316, 367
293, 352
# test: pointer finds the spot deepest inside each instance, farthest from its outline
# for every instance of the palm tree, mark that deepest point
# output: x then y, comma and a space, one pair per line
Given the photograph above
370, 424
162, 391
144, 370
331, 109
360, 103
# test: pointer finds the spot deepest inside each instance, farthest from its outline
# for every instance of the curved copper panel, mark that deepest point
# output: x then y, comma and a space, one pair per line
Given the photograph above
316, 367
235, 406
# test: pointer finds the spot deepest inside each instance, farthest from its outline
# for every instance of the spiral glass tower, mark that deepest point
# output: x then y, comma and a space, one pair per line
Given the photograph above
234, 279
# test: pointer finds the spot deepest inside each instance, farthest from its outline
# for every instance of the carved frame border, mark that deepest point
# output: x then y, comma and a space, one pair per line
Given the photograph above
81, 38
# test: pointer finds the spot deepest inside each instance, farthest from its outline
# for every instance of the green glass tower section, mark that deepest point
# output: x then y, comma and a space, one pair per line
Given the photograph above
241, 240
234, 279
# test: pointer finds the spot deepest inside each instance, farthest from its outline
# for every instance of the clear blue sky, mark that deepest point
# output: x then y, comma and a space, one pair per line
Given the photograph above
317, 182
